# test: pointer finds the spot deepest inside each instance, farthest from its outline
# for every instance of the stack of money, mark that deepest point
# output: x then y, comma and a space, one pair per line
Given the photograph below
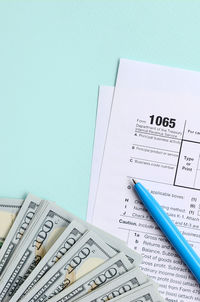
48, 254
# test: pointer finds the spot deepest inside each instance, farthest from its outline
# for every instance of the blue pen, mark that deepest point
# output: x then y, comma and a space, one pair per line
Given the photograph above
185, 251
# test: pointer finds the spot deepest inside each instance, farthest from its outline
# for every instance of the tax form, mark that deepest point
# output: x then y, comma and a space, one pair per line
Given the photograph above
102, 121
154, 136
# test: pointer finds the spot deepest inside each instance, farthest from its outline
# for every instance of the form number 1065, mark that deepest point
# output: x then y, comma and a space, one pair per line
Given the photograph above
162, 121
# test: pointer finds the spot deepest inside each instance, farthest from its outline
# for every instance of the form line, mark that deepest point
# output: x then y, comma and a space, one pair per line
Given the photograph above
168, 137
153, 161
156, 148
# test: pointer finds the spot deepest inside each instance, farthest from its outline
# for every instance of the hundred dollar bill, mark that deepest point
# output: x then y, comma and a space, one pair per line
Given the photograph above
115, 242
117, 287
46, 263
9, 209
21, 232
63, 244
87, 254
30, 253
40, 236
111, 240
18, 229
103, 274
144, 293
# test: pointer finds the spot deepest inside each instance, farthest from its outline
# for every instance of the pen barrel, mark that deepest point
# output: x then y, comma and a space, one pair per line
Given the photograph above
183, 248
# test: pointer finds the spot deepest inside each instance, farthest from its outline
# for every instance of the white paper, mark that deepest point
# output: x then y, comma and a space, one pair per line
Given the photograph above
164, 158
102, 120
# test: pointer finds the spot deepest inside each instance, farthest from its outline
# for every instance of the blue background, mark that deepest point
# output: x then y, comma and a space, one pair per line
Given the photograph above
53, 56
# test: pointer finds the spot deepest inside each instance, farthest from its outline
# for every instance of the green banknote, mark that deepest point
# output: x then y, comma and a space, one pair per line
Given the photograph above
43, 231
87, 254
63, 244
9, 209
144, 293
103, 274
119, 286
18, 229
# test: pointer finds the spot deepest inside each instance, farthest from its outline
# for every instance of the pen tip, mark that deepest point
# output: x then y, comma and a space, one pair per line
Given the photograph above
134, 181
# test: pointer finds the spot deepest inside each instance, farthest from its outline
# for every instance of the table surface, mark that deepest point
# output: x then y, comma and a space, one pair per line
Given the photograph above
53, 56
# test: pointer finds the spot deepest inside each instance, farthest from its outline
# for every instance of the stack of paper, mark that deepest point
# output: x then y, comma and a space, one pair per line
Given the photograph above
148, 128
47, 254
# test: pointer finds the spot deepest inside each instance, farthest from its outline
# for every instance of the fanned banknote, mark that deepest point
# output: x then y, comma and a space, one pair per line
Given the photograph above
28, 266
121, 285
18, 229
51, 255
145, 293
65, 242
41, 235
103, 274
9, 209
87, 254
